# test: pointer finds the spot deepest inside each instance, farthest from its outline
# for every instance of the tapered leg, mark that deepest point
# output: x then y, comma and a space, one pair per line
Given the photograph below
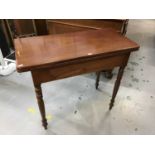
116, 87
97, 79
41, 104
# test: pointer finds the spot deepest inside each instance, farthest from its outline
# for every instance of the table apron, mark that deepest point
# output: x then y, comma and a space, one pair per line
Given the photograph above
68, 70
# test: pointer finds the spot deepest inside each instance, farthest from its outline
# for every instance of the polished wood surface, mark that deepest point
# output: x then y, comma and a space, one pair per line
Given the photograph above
35, 52
59, 26
55, 57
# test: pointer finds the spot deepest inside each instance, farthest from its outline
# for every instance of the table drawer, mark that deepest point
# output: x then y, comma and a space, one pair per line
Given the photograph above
73, 69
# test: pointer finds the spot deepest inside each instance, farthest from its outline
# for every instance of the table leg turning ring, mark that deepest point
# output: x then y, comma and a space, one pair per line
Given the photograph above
41, 105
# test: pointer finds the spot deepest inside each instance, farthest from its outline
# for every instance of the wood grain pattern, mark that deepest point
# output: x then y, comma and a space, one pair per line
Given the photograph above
24, 26
76, 68
60, 26
34, 52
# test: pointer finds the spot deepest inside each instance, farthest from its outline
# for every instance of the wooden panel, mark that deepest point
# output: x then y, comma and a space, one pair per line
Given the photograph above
41, 26
24, 26
58, 28
70, 25
73, 69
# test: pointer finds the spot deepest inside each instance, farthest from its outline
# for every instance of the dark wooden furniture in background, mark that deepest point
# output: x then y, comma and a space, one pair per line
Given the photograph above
55, 57
60, 26
7, 32
14, 28
41, 26
25, 27
4, 47
30, 27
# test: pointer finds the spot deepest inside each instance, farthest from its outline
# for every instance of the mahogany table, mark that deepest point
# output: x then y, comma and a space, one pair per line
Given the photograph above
54, 57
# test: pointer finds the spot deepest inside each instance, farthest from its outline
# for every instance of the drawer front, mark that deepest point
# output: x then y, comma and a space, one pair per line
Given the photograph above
50, 74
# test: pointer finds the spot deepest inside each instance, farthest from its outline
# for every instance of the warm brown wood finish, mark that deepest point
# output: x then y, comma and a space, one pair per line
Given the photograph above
74, 68
71, 25
41, 105
116, 87
24, 27
59, 26
36, 52
55, 57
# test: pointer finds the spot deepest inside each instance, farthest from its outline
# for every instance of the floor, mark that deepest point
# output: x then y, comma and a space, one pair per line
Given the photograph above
74, 106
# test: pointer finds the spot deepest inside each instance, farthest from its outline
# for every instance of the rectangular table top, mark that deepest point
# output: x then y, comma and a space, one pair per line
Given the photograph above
35, 52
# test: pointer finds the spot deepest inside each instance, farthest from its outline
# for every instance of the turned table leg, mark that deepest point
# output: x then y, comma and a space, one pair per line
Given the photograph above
116, 87
39, 96
97, 79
